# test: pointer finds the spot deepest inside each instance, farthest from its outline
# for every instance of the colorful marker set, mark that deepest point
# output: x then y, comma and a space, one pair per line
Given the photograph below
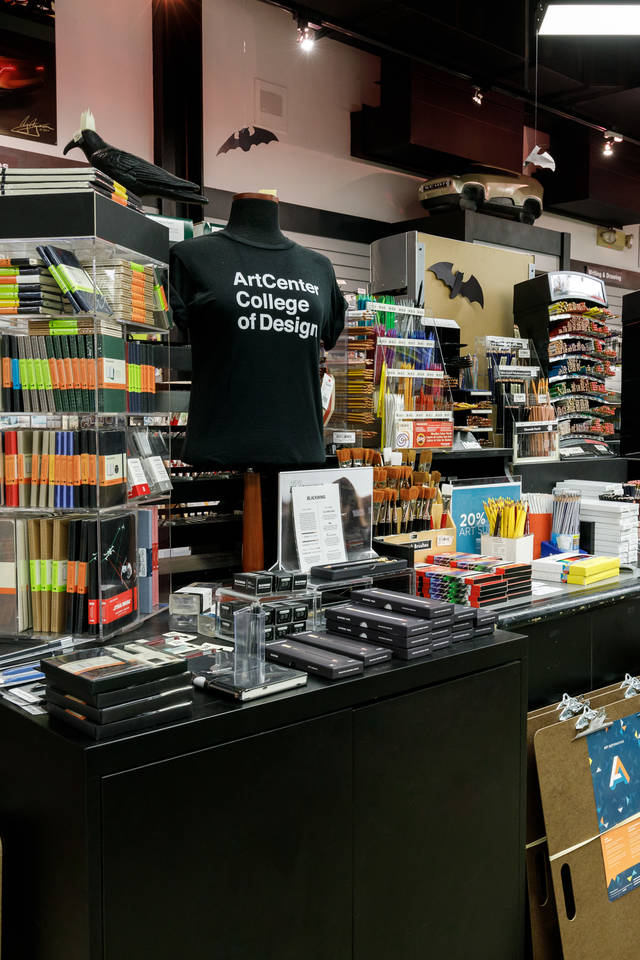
472, 579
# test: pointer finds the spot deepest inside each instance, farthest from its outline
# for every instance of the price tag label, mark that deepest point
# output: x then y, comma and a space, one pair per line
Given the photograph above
344, 436
524, 353
543, 398
518, 397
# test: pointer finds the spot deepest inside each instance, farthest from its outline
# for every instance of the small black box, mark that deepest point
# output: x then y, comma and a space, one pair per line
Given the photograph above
283, 613
281, 582
254, 584
482, 632
297, 627
226, 627
485, 618
412, 653
395, 625
459, 635
300, 612
374, 636
403, 603
282, 630
462, 614
229, 607
269, 633
300, 581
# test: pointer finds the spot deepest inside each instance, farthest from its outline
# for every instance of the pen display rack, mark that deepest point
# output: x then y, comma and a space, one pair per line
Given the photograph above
567, 315
525, 416
83, 459
413, 398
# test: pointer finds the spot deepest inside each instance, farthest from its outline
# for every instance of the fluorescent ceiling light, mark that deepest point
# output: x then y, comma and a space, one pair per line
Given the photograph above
591, 20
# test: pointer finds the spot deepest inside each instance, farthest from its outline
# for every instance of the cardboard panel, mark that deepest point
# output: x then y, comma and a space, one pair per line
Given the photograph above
495, 270
600, 929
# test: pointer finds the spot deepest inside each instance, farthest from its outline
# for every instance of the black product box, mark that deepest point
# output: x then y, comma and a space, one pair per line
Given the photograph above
300, 581
460, 635
374, 636
269, 633
347, 646
485, 618
102, 731
254, 584
323, 663
395, 625
402, 603
281, 582
227, 608
413, 653
282, 612
482, 632
226, 627
300, 612
125, 695
122, 711
282, 630
441, 638
97, 669
299, 627
462, 614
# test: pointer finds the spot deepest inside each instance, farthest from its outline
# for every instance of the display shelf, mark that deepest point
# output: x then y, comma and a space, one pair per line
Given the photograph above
84, 222
68, 379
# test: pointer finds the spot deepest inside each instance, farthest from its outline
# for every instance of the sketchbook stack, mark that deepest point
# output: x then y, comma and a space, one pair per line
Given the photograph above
18, 181
108, 691
27, 287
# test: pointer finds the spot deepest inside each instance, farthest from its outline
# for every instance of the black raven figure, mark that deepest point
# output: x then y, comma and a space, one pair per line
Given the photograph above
135, 174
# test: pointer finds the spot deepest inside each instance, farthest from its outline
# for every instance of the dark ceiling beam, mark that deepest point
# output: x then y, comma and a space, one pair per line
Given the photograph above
344, 32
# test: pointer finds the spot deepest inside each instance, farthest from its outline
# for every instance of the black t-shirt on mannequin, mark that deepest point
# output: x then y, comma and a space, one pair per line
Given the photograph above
256, 306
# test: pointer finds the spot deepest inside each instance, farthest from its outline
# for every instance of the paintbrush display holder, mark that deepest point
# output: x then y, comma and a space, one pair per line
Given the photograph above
511, 549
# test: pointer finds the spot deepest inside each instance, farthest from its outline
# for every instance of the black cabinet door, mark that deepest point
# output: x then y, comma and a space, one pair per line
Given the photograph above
438, 832
237, 852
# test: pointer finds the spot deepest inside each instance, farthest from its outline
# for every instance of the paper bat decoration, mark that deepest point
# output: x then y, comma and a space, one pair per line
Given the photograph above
540, 158
137, 175
470, 288
246, 138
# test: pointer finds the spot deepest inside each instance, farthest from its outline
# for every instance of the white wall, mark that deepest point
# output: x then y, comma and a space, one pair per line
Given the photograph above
104, 62
311, 163
584, 246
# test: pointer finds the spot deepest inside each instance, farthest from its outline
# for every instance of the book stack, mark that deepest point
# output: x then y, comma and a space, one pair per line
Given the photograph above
615, 528
27, 288
18, 181
73, 280
62, 373
141, 376
129, 289
108, 691
578, 568
63, 469
589, 570
148, 564
50, 574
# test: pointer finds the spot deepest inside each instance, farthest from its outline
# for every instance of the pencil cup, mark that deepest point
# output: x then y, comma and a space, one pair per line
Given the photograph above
540, 527
512, 549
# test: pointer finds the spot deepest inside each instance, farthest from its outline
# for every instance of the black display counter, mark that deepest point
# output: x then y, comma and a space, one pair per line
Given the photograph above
579, 639
379, 816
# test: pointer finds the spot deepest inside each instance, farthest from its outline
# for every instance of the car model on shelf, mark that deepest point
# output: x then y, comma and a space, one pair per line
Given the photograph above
489, 189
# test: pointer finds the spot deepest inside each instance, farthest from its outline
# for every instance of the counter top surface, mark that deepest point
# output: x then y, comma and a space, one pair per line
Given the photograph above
217, 720
566, 599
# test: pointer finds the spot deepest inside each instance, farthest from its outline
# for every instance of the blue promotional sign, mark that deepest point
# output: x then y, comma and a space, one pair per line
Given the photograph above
468, 514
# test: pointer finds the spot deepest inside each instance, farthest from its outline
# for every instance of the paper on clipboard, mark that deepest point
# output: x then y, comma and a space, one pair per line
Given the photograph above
317, 521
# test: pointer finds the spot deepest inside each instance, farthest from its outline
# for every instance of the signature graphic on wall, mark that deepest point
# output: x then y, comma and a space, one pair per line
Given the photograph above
458, 287
246, 138
32, 127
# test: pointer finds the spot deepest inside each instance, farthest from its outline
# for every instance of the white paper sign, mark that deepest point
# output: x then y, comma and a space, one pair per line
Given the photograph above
317, 520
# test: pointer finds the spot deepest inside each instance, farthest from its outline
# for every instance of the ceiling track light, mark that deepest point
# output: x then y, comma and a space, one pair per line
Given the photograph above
607, 150
307, 34
477, 95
